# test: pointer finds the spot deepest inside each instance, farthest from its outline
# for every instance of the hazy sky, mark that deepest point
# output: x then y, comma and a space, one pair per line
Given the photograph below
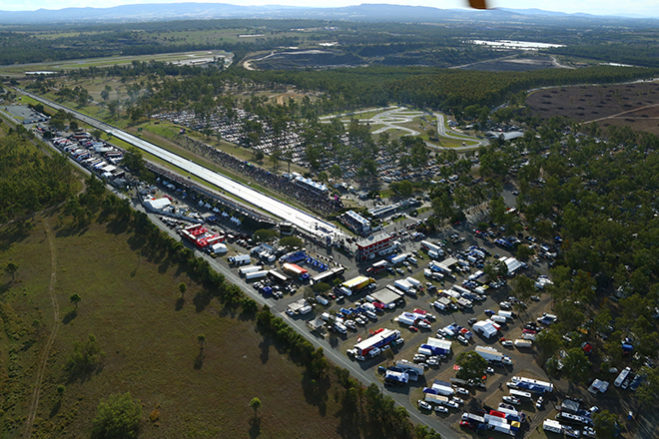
643, 8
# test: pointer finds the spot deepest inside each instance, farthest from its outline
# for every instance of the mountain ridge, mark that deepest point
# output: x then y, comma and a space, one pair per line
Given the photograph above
362, 12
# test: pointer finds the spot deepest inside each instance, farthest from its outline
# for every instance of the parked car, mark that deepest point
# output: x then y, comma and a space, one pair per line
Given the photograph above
424, 405
462, 391
511, 400
441, 409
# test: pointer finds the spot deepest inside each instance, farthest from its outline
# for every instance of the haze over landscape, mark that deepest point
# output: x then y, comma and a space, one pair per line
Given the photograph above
641, 8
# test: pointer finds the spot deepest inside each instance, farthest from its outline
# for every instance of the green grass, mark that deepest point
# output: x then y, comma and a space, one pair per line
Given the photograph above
128, 303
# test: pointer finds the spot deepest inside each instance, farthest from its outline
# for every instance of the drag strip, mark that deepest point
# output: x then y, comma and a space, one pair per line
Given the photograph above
297, 217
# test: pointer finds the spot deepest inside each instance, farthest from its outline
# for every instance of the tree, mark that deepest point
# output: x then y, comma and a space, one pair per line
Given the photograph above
320, 287
105, 93
472, 365
266, 235
117, 417
497, 210
522, 287
576, 365
291, 241
11, 270
605, 424
548, 342
201, 339
648, 392
85, 358
255, 404
182, 288
113, 107
75, 300
524, 252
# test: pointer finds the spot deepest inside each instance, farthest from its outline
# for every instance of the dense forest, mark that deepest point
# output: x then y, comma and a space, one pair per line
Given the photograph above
598, 197
29, 179
402, 44
451, 90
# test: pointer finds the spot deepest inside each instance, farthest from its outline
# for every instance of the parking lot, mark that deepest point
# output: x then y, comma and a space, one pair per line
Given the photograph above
523, 360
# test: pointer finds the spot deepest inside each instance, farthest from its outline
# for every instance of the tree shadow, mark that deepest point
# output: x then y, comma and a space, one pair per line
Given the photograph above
199, 359
315, 391
265, 349
13, 233
56, 408
69, 316
201, 300
179, 304
254, 427
5, 286
164, 265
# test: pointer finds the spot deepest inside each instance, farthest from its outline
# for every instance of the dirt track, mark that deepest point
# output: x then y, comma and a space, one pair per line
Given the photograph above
43, 358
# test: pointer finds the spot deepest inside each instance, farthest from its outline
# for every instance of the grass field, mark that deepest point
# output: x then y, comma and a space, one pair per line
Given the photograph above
66, 65
129, 304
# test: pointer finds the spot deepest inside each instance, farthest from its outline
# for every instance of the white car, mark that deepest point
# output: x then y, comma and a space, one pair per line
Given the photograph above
422, 324
453, 405
424, 405
457, 400
511, 400
489, 370
462, 391
507, 343
441, 409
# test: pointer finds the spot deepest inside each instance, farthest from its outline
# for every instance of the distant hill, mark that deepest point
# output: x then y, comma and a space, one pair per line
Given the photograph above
363, 12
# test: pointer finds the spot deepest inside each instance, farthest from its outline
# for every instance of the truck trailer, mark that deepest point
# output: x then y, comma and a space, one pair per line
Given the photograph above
523, 344
492, 355
249, 269
255, 275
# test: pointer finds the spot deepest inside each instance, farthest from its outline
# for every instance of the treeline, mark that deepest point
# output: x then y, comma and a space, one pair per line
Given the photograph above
421, 87
368, 413
634, 53
429, 87
29, 179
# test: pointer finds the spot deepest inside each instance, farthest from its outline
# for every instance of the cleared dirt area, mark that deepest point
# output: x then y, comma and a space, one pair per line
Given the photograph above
634, 105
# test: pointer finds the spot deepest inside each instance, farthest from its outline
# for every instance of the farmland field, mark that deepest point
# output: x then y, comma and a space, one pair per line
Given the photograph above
129, 303
635, 105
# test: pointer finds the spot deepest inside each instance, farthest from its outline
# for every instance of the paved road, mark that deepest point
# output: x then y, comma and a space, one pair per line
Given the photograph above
301, 219
443, 132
